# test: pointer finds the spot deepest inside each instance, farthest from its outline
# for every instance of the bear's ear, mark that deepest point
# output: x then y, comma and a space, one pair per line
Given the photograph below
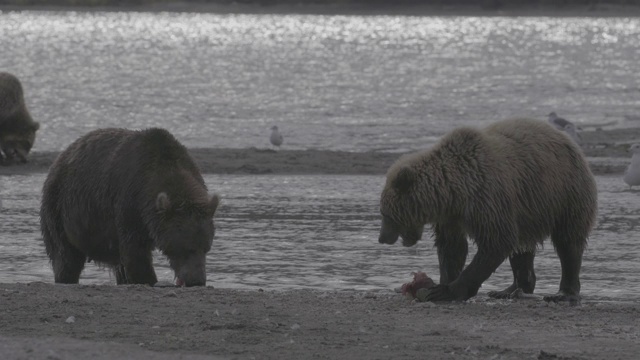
162, 202
213, 203
404, 178
36, 126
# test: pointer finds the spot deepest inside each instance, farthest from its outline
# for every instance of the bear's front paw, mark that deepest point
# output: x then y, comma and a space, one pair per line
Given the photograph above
508, 293
436, 293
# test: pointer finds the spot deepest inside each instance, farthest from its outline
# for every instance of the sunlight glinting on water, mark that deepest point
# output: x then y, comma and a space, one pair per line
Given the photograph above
356, 83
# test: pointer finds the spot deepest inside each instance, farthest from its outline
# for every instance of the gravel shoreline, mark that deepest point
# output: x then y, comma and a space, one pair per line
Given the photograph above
606, 150
47, 321
612, 160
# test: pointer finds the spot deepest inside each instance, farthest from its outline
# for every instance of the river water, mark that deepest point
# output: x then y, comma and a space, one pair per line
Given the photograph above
356, 83
320, 232
390, 83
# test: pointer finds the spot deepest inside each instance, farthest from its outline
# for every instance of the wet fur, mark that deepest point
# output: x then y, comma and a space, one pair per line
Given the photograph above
507, 187
114, 195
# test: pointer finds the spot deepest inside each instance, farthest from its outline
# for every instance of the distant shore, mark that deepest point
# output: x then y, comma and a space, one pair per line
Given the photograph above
295, 162
338, 7
606, 151
253, 161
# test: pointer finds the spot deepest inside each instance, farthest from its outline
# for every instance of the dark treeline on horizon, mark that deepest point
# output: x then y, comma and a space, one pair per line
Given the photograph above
430, 2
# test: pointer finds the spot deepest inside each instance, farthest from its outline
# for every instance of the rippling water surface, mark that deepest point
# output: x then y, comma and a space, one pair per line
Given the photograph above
321, 232
357, 83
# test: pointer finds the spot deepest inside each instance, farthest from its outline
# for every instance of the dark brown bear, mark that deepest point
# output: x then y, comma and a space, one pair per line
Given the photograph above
17, 128
114, 195
507, 187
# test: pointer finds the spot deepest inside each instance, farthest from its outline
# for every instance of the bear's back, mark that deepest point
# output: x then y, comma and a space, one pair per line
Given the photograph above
530, 132
114, 155
116, 147
534, 146
547, 173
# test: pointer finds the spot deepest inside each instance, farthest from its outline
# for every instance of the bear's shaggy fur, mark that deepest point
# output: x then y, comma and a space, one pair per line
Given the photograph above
17, 128
114, 195
507, 187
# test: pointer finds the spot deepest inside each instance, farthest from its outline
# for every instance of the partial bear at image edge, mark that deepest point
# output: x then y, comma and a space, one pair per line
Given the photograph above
114, 195
507, 187
17, 128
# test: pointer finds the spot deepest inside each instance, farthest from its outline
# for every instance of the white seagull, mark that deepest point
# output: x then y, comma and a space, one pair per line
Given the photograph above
558, 122
632, 174
565, 125
276, 137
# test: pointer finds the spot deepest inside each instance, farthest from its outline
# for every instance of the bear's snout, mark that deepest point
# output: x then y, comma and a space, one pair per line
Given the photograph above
388, 239
190, 271
192, 279
388, 233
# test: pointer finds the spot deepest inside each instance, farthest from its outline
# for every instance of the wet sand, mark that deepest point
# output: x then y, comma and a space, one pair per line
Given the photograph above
253, 161
45, 321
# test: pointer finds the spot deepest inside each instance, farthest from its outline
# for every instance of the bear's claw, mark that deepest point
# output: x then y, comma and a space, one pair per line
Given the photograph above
507, 293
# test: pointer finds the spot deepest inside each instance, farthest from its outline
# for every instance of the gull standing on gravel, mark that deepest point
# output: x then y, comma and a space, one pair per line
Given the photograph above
632, 174
276, 137
558, 122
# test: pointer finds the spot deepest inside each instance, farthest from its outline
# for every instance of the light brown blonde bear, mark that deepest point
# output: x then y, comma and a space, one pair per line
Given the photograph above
507, 187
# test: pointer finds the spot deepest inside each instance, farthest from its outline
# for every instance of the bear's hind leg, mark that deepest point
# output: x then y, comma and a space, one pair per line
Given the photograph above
524, 277
570, 252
